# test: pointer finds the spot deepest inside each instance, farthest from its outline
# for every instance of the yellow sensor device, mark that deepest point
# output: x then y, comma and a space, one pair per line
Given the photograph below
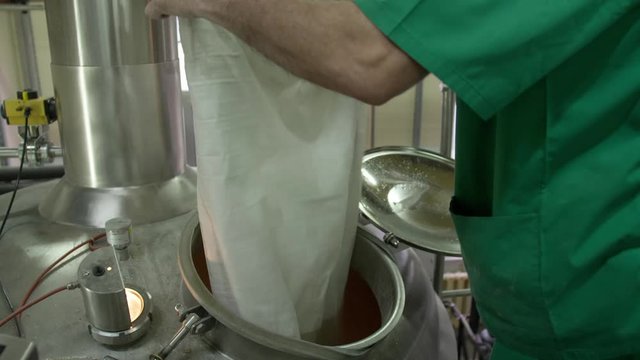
42, 111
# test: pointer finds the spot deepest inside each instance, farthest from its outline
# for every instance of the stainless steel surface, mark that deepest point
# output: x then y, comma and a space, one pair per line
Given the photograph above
118, 232
117, 86
103, 291
120, 126
446, 150
21, 7
70, 204
422, 331
13, 348
108, 33
138, 327
119, 236
448, 121
31, 243
406, 191
373, 264
58, 325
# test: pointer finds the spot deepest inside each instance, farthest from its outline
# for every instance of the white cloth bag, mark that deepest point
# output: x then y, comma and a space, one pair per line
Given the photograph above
278, 183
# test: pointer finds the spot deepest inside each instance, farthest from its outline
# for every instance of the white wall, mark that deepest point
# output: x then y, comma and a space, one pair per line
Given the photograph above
394, 120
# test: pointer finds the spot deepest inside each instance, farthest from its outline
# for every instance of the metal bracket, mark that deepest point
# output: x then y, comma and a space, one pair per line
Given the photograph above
194, 320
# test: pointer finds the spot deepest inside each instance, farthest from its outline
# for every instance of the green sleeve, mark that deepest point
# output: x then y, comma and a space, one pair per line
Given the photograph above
490, 51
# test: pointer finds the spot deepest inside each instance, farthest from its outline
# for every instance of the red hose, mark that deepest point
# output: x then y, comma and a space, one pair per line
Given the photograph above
22, 308
46, 271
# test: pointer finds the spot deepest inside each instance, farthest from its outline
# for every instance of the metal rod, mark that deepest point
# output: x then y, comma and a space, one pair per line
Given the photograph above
182, 333
28, 56
417, 115
35, 173
455, 293
56, 151
448, 119
446, 149
5, 152
372, 140
21, 7
438, 274
9, 152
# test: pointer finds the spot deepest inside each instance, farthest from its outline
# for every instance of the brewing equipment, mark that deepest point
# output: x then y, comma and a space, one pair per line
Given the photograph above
117, 91
117, 84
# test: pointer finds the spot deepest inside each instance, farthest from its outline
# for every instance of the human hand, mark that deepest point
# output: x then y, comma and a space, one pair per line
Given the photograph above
156, 9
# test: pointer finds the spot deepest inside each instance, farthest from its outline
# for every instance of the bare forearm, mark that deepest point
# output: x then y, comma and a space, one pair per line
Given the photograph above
330, 43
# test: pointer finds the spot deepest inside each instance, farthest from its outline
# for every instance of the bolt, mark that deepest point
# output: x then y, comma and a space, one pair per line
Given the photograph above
391, 239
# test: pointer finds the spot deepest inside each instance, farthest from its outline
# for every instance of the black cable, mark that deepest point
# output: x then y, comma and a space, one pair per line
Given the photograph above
27, 113
11, 309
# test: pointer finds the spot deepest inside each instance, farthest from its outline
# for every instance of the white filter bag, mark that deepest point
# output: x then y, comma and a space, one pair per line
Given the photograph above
278, 183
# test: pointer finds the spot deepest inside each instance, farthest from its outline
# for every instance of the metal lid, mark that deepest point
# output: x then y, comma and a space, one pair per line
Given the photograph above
406, 192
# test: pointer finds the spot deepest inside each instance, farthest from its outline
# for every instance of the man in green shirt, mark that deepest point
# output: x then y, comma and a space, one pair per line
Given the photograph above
548, 159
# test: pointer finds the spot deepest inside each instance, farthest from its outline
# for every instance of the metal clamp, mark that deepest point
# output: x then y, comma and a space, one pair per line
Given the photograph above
194, 321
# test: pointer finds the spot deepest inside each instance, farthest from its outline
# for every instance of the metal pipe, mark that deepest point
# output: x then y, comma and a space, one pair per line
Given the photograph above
36, 173
372, 139
28, 56
417, 115
9, 152
455, 293
21, 7
54, 151
438, 274
446, 149
448, 120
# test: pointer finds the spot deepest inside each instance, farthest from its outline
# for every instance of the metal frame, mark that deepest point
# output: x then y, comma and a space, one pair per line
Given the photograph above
27, 54
21, 7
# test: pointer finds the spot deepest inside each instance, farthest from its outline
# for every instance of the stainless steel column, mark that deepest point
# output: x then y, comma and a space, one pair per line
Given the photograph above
117, 84
27, 48
446, 149
448, 120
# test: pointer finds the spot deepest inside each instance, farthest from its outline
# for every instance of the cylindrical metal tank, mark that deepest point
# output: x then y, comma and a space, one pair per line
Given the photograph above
103, 292
117, 85
405, 331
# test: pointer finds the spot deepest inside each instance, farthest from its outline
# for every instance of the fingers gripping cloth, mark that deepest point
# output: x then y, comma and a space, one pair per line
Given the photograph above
278, 183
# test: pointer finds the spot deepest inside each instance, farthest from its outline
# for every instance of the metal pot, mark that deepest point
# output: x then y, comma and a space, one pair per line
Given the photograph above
239, 339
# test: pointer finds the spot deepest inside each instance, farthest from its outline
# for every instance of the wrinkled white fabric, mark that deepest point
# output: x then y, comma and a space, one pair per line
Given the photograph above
278, 183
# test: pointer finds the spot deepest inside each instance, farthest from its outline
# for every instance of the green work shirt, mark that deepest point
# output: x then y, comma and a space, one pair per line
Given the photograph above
547, 200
